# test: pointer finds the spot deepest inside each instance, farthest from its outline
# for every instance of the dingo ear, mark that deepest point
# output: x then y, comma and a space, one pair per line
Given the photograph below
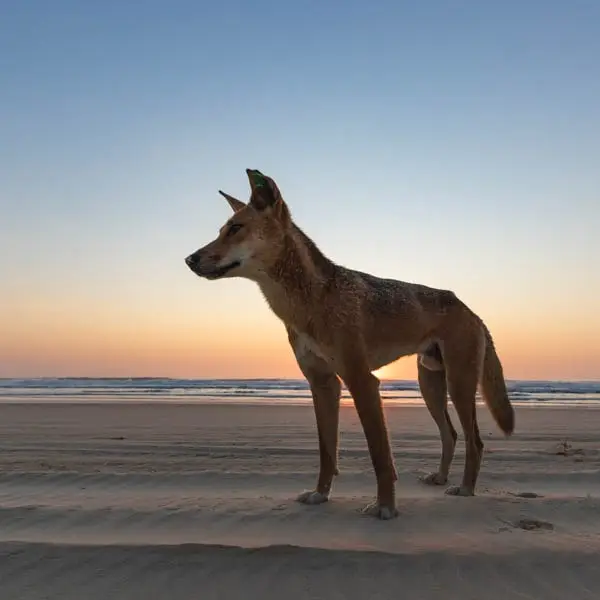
265, 192
266, 195
233, 202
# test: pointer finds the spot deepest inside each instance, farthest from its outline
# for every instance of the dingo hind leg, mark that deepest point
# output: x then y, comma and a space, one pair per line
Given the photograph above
434, 391
326, 391
463, 360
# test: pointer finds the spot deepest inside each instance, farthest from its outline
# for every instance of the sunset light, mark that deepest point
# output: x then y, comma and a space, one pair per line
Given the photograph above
216, 217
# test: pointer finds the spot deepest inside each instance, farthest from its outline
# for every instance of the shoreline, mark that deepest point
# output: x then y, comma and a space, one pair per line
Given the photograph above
389, 404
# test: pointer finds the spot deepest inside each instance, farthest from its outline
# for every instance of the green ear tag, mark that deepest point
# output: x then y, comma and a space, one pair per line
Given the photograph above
258, 179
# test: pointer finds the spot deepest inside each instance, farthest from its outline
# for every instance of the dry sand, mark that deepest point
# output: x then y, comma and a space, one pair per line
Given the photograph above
144, 501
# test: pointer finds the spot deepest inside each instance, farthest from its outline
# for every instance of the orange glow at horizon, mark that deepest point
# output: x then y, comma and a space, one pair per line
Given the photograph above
166, 339
239, 350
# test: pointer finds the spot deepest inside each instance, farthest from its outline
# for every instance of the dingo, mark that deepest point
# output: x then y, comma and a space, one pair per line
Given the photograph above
344, 324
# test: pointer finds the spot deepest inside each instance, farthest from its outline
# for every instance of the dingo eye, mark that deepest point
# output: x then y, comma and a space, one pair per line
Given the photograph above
234, 228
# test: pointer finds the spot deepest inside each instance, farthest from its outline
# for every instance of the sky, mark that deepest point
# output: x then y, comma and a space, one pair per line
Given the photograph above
455, 144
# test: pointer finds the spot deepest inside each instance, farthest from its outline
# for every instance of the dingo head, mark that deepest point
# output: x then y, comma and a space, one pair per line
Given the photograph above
251, 240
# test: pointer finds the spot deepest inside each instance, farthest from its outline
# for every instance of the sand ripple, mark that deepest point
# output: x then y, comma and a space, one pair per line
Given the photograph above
156, 501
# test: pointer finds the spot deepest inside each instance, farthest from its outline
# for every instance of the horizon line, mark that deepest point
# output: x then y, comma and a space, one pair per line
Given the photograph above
386, 379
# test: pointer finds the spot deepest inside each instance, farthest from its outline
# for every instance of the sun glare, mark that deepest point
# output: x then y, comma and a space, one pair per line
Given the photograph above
384, 372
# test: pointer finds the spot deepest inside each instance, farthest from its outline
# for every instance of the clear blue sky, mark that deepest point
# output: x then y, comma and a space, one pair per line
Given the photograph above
452, 143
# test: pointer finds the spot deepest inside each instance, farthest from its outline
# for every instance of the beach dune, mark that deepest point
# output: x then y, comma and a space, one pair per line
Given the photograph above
165, 500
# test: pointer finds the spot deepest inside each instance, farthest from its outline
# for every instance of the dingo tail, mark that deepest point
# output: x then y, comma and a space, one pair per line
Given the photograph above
493, 388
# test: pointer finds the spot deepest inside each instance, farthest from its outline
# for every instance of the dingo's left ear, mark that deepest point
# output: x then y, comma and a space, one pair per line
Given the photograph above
265, 192
233, 202
266, 195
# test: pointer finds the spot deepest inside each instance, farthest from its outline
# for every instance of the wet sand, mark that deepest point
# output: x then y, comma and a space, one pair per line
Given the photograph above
133, 500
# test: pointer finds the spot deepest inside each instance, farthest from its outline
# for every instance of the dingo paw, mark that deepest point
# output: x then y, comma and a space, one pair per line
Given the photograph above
433, 479
374, 509
312, 497
459, 490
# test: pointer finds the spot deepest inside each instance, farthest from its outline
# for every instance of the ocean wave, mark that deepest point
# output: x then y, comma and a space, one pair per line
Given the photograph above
288, 391
162, 384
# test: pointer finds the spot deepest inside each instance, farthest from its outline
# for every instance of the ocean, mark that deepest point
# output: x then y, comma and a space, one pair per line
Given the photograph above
259, 391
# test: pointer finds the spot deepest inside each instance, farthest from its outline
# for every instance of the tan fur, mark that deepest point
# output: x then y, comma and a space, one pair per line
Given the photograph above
344, 324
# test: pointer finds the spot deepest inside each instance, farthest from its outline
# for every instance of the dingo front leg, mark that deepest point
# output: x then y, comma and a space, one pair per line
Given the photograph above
364, 388
326, 391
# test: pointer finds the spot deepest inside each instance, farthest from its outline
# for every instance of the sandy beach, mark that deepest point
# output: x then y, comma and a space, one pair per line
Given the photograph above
137, 500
